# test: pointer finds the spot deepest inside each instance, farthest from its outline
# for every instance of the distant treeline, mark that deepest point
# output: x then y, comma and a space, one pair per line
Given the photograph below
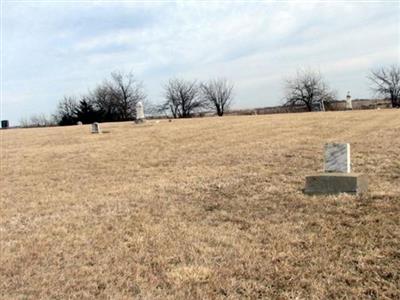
115, 99
112, 100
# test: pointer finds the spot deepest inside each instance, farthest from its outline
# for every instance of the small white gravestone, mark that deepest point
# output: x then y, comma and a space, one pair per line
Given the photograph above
139, 113
96, 128
349, 105
337, 158
79, 123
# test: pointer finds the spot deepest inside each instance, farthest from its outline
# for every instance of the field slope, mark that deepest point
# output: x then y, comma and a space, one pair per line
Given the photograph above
207, 208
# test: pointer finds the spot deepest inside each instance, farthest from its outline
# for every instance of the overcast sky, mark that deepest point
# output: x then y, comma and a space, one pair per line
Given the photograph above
54, 49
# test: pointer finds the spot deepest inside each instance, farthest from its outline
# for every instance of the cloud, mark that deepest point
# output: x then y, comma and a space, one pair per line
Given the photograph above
50, 50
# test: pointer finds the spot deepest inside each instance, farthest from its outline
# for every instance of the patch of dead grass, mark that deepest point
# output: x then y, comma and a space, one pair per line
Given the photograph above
206, 208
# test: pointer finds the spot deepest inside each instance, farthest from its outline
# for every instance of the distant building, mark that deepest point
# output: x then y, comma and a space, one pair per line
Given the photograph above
4, 124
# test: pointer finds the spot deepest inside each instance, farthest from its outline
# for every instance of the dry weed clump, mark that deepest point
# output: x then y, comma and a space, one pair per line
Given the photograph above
207, 208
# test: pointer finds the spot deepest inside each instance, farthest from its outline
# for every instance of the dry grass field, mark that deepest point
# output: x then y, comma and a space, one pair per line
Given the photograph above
207, 208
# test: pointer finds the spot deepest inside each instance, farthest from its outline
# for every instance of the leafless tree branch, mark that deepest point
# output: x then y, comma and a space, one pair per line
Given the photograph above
307, 88
386, 83
217, 94
182, 98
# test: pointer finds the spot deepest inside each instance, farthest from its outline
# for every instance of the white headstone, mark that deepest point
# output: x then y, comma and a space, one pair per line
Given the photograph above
139, 111
96, 128
79, 123
337, 158
349, 105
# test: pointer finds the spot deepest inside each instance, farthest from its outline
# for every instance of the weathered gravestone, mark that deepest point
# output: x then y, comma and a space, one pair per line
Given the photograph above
139, 113
337, 158
79, 123
96, 128
337, 177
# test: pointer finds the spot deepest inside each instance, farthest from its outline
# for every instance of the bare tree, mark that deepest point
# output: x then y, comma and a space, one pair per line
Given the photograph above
218, 94
386, 83
113, 100
125, 91
182, 98
104, 103
307, 88
38, 120
86, 112
66, 111
150, 109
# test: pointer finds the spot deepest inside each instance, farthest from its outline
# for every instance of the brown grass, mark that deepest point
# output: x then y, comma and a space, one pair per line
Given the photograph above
199, 209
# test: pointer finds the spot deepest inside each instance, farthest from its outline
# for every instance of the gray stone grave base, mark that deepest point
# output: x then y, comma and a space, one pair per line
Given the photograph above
336, 183
139, 121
